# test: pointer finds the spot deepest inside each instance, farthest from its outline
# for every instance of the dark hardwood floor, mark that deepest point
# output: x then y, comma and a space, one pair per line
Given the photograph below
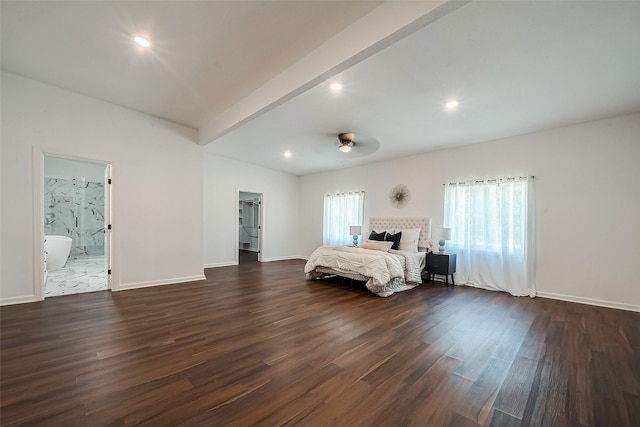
246, 257
257, 344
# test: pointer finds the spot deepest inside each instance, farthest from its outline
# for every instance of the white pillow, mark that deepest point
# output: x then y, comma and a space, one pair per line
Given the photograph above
376, 245
409, 240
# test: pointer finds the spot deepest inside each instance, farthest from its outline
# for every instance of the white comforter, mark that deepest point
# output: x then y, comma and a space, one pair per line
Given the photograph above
388, 272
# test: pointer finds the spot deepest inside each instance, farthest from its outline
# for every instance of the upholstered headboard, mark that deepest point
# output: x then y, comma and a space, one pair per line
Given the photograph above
404, 223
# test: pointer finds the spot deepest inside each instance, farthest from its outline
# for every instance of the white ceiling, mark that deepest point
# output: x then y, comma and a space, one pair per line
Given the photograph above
253, 76
206, 55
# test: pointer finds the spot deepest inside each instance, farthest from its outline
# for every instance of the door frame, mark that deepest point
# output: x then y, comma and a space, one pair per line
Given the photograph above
260, 223
112, 255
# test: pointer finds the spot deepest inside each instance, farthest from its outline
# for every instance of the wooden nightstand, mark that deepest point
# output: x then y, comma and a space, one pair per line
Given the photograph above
440, 263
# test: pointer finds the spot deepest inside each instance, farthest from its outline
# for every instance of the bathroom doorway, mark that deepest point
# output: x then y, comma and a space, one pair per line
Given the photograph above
76, 224
249, 227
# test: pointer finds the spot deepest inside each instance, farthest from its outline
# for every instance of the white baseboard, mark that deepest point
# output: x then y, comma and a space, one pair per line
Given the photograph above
220, 264
281, 258
126, 286
590, 301
228, 264
18, 300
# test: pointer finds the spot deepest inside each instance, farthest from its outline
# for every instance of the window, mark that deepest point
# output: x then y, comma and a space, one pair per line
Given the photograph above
340, 212
492, 231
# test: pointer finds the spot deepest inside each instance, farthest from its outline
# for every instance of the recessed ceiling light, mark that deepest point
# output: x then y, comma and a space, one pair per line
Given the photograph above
287, 154
335, 87
142, 41
451, 105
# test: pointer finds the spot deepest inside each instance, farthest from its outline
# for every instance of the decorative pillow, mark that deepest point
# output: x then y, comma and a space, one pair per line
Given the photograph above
377, 245
395, 238
377, 236
409, 241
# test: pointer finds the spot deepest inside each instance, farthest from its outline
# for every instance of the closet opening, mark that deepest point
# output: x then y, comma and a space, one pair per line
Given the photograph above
249, 227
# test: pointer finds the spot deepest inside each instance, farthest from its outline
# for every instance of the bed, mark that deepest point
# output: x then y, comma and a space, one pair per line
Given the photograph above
384, 270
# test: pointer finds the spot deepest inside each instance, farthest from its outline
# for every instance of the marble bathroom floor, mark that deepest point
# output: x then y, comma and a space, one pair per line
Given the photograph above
78, 276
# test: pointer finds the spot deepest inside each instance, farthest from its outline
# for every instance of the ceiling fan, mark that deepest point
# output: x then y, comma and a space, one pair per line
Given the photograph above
346, 142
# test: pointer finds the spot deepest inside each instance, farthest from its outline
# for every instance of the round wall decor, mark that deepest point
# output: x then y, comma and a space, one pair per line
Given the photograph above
399, 195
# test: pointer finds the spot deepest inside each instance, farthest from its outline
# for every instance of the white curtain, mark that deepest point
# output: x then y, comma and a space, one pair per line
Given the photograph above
340, 212
492, 226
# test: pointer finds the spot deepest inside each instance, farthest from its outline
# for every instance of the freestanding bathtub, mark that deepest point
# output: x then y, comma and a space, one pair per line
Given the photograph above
56, 249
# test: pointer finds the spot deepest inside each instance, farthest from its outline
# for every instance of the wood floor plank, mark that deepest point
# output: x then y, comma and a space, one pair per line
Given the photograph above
482, 394
259, 345
632, 405
500, 419
514, 393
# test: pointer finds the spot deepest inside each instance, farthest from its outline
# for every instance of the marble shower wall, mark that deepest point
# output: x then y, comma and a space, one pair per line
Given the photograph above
75, 208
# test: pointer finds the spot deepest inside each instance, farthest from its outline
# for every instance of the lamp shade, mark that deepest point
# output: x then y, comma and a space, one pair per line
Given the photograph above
355, 230
444, 233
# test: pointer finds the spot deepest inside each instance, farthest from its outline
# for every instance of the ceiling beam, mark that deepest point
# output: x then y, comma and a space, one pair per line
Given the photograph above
385, 25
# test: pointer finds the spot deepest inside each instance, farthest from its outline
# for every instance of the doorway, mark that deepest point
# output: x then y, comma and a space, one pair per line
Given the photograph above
249, 227
76, 226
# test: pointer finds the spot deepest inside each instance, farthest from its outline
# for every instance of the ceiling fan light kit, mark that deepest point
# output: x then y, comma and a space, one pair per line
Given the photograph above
346, 142
345, 147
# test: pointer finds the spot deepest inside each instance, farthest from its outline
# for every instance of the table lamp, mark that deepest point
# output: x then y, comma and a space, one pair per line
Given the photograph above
355, 230
444, 234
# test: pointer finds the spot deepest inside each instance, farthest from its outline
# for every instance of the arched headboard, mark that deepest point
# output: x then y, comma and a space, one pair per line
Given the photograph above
380, 224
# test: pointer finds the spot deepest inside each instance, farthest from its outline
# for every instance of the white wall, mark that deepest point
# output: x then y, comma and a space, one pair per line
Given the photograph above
223, 180
588, 201
157, 183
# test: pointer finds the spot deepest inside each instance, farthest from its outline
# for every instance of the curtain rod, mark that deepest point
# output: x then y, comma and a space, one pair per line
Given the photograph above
480, 181
345, 193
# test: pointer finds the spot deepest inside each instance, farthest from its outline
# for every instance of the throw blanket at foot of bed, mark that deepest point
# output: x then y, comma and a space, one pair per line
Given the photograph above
388, 272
